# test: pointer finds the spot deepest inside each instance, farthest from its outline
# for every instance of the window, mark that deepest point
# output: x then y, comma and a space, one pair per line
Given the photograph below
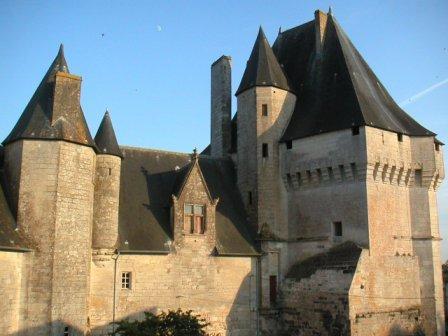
273, 289
265, 152
110, 171
418, 177
194, 218
125, 280
66, 331
249, 197
437, 146
264, 110
337, 229
299, 178
289, 179
289, 144
400, 137
355, 130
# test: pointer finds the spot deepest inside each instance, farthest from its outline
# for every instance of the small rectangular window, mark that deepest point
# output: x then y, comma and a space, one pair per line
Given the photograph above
273, 289
265, 151
437, 146
418, 177
66, 331
400, 137
289, 179
355, 130
289, 144
264, 110
249, 197
126, 280
337, 229
110, 171
194, 221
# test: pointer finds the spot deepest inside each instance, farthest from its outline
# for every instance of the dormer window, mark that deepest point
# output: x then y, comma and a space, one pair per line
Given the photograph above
194, 219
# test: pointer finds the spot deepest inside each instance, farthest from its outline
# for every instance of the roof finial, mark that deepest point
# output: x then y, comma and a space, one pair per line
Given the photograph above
195, 154
330, 12
279, 30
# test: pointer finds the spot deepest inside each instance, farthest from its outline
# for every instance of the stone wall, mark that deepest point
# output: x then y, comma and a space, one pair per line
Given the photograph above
107, 192
55, 209
221, 289
221, 106
13, 266
385, 295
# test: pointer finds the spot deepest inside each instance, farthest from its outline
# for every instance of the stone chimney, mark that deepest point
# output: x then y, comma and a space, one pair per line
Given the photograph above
67, 91
320, 22
221, 106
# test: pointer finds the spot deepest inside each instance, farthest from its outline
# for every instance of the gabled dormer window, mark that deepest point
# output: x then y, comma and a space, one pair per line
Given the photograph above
194, 218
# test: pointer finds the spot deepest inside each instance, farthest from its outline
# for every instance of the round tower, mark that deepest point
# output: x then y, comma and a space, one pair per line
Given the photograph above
107, 187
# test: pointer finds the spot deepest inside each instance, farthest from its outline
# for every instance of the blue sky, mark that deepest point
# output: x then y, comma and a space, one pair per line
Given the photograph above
151, 68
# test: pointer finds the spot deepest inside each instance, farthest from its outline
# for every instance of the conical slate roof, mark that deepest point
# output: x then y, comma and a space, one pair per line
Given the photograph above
105, 138
38, 120
337, 90
262, 68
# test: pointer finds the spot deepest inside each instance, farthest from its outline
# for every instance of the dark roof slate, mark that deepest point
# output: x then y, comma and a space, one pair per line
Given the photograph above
36, 121
344, 256
337, 90
10, 239
150, 177
105, 138
262, 67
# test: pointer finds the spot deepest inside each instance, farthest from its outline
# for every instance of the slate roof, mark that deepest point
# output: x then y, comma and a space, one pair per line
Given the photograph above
343, 256
337, 90
37, 120
150, 177
262, 67
10, 239
105, 138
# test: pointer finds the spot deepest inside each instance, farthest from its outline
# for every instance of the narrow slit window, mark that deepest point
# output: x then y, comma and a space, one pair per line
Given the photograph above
265, 151
437, 146
264, 110
400, 137
273, 289
418, 177
110, 171
126, 278
249, 197
337, 229
289, 144
355, 130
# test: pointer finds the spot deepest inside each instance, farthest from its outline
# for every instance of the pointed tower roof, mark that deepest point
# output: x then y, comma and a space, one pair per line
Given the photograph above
338, 90
54, 112
105, 138
262, 67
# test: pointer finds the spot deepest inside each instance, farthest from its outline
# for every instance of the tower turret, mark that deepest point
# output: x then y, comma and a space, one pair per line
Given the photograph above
265, 104
107, 186
49, 168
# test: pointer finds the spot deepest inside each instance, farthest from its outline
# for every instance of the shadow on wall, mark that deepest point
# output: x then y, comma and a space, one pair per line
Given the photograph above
396, 330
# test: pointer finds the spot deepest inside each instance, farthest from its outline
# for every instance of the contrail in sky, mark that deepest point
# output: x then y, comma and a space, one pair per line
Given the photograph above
423, 93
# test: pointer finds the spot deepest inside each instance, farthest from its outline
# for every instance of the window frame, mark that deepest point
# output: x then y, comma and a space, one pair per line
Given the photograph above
193, 217
126, 280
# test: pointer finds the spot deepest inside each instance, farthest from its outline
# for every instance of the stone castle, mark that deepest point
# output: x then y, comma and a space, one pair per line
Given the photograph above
312, 212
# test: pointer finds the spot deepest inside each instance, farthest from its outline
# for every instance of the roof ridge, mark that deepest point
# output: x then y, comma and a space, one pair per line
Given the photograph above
146, 149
